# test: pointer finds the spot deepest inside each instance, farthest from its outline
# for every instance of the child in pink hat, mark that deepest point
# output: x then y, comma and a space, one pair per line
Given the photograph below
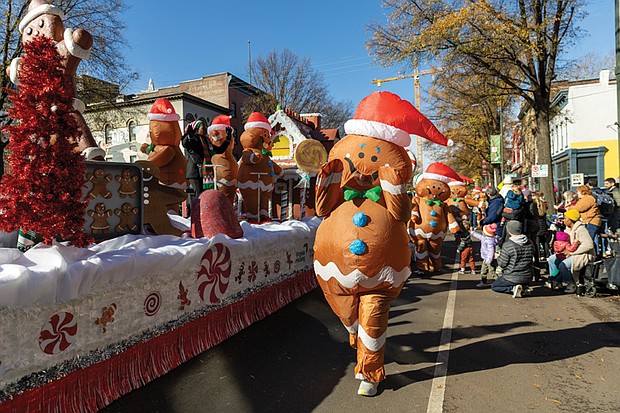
488, 242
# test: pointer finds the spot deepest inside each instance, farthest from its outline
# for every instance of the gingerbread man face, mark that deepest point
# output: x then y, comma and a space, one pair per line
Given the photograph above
48, 25
362, 156
256, 138
217, 137
458, 191
432, 189
165, 133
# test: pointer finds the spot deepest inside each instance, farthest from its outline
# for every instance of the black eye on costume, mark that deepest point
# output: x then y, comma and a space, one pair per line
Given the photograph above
374, 159
29, 31
41, 23
360, 155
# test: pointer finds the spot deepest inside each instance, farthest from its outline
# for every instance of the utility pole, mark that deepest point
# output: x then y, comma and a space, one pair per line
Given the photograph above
416, 96
249, 64
618, 75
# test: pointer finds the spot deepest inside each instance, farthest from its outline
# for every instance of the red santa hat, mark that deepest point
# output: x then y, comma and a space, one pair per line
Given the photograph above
221, 122
164, 111
257, 120
38, 8
440, 172
385, 116
477, 189
462, 181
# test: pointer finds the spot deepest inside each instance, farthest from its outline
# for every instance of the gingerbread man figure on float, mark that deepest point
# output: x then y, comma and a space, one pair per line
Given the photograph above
44, 19
257, 173
361, 248
432, 217
225, 165
458, 192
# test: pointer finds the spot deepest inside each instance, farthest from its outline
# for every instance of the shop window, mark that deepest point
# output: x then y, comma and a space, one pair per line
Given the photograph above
132, 130
107, 133
281, 146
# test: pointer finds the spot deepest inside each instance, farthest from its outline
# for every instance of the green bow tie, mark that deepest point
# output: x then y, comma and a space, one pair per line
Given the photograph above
431, 202
457, 199
374, 193
265, 152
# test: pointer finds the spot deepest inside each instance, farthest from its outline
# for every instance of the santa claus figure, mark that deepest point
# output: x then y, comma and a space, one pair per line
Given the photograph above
361, 249
257, 171
223, 162
431, 216
44, 19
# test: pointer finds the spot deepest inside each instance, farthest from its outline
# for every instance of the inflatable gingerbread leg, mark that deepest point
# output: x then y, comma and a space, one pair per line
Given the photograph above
421, 254
434, 252
365, 316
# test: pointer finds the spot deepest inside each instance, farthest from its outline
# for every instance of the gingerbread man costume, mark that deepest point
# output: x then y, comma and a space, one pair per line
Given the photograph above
361, 249
458, 191
44, 19
431, 216
225, 166
257, 171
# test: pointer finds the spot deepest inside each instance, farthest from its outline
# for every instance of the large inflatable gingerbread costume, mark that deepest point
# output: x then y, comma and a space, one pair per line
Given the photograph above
225, 166
458, 191
361, 251
257, 171
432, 217
44, 19
164, 150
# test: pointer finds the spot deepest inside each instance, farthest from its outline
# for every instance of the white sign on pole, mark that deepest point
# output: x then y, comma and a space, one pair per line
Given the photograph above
540, 171
576, 179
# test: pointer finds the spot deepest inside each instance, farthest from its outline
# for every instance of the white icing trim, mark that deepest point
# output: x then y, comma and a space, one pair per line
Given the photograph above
37, 11
415, 213
393, 189
352, 329
165, 117
14, 70
456, 183
175, 185
437, 177
226, 182
422, 255
74, 48
255, 185
263, 125
93, 152
356, 277
371, 343
377, 130
453, 225
435, 255
430, 235
334, 178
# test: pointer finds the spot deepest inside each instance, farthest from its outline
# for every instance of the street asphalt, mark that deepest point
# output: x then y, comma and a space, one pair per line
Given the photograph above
451, 347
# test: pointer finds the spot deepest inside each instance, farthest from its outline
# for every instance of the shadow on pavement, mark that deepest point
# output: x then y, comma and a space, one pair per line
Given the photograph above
524, 348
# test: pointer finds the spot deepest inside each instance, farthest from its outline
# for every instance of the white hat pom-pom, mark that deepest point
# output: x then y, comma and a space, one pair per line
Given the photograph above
54, 108
450, 142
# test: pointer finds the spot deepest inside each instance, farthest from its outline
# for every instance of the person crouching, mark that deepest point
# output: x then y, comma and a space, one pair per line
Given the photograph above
515, 260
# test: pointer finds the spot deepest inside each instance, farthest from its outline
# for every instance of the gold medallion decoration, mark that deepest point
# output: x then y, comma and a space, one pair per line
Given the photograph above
310, 155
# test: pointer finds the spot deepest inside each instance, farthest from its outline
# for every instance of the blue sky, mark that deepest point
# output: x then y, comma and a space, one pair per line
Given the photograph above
172, 42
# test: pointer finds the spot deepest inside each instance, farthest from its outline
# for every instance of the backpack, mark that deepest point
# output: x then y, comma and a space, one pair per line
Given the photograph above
604, 201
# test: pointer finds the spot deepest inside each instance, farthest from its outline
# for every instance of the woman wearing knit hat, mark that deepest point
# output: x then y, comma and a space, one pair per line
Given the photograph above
568, 269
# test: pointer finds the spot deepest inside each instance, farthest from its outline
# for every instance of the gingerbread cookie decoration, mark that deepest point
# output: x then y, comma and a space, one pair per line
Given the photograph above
432, 217
44, 19
127, 214
310, 155
224, 164
107, 316
100, 215
100, 180
257, 171
458, 192
127, 181
361, 248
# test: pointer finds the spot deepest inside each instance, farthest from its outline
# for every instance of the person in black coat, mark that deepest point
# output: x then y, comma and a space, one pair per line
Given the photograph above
515, 260
192, 141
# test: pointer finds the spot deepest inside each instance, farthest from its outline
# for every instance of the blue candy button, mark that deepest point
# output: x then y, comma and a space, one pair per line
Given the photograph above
433, 223
360, 219
358, 247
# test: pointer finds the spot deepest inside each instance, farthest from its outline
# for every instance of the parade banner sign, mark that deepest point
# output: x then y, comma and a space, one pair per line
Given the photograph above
496, 156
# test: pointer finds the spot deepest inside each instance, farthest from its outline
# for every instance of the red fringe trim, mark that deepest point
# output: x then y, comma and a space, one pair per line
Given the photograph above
97, 386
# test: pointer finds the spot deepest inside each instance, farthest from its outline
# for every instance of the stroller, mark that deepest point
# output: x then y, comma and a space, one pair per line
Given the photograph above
602, 275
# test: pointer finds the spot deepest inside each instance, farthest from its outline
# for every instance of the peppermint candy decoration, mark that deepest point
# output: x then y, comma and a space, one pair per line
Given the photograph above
58, 333
214, 273
152, 303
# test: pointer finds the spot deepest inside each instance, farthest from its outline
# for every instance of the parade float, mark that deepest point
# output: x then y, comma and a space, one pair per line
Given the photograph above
120, 291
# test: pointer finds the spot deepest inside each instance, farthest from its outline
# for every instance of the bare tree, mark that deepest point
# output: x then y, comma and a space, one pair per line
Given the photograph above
290, 81
516, 42
102, 18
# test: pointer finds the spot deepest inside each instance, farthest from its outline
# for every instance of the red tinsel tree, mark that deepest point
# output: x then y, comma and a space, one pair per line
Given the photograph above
43, 191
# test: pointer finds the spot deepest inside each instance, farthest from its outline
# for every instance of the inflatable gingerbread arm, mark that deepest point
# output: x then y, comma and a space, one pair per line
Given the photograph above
393, 183
472, 203
453, 224
415, 210
251, 156
329, 194
162, 155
